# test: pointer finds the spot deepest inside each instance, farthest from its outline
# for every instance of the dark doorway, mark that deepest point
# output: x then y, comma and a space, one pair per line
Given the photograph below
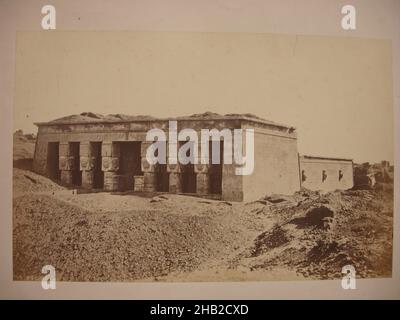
216, 169
188, 175
130, 163
188, 178
76, 172
53, 171
98, 174
162, 178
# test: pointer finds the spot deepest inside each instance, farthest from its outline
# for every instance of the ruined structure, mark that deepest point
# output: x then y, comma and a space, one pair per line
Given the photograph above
92, 151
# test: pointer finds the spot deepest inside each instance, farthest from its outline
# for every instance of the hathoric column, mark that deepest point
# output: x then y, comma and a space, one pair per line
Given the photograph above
175, 178
110, 153
202, 170
87, 163
149, 170
66, 163
174, 170
202, 178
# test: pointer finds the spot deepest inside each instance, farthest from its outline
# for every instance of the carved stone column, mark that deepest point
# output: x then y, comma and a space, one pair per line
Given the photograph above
202, 178
149, 170
87, 163
175, 178
65, 163
110, 158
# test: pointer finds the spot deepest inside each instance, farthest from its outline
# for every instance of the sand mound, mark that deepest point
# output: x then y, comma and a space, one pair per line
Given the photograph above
25, 181
85, 246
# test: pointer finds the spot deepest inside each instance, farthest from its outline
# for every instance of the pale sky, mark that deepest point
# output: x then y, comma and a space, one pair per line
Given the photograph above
336, 91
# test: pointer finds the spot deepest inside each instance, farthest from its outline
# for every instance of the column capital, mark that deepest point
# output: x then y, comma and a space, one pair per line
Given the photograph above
110, 163
174, 168
147, 167
66, 163
201, 168
87, 163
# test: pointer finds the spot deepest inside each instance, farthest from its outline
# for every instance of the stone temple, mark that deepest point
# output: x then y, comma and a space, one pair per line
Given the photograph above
94, 152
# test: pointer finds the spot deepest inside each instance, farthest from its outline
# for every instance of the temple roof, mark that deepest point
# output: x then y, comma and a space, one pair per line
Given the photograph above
91, 117
324, 158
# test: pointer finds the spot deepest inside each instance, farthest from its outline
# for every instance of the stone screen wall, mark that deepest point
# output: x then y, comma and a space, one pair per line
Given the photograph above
326, 174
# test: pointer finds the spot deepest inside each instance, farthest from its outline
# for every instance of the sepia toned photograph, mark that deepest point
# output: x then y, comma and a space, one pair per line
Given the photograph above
201, 157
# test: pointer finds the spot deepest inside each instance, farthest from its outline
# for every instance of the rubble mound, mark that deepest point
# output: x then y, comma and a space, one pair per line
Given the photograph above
107, 237
315, 217
322, 233
205, 115
25, 181
269, 240
88, 246
96, 117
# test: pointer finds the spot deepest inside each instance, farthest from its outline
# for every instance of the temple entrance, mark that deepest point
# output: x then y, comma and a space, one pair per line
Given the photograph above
130, 163
162, 178
188, 175
76, 172
98, 174
188, 178
53, 170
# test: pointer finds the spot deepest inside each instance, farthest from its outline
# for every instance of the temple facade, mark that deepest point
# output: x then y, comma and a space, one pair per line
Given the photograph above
92, 151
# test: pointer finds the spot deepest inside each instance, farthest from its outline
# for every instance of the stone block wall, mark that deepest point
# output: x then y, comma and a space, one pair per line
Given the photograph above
324, 174
276, 166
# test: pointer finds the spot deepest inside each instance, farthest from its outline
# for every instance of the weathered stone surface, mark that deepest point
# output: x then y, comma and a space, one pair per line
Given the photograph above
66, 163
109, 149
203, 183
150, 181
201, 168
87, 179
110, 163
66, 177
147, 167
111, 181
174, 168
325, 174
139, 183
85, 149
64, 149
175, 182
87, 163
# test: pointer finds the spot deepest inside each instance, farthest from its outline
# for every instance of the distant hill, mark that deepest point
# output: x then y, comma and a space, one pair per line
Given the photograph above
23, 149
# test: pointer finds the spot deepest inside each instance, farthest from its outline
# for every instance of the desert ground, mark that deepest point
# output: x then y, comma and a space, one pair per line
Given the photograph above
163, 237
